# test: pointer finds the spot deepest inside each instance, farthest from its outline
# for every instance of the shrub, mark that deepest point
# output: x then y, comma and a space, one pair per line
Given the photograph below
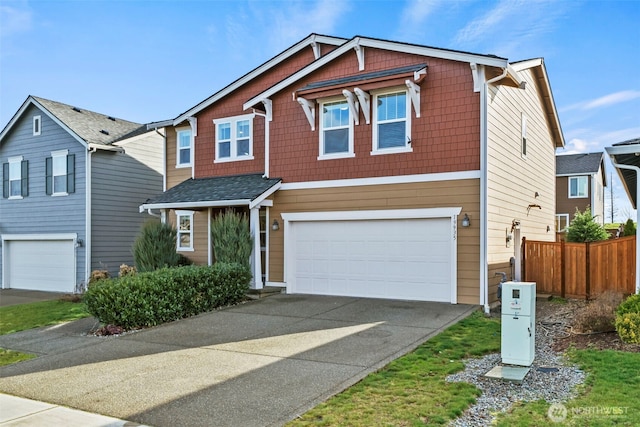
127, 270
629, 228
155, 247
600, 314
583, 228
231, 237
167, 294
628, 320
97, 275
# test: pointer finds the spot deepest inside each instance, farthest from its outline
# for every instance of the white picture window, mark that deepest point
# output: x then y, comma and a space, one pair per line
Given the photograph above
184, 230
59, 172
37, 125
336, 133
578, 187
184, 143
15, 177
234, 138
562, 222
392, 123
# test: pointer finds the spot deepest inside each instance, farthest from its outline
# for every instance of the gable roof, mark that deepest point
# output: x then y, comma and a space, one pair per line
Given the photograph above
234, 190
579, 164
87, 127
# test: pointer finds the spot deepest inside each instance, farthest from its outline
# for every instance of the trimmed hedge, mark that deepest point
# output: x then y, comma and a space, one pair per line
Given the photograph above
153, 298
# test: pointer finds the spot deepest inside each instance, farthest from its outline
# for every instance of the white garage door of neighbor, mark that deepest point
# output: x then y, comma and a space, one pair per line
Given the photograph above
43, 265
389, 258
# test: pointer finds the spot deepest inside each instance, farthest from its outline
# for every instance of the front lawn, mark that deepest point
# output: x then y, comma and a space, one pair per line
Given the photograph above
16, 318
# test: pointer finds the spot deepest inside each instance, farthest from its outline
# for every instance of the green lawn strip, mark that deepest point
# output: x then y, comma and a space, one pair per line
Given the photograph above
412, 389
608, 397
20, 317
8, 357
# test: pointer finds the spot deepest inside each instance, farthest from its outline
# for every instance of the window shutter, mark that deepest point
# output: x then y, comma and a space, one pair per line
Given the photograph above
71, 173
25, 178
49, 175
5, 180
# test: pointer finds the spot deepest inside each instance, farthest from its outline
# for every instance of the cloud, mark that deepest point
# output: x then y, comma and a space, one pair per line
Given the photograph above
480, 27
604, 101
588, 141
14, 20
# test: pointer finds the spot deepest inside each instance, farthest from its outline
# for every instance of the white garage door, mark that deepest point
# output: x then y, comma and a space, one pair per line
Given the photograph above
44, 265
411, 259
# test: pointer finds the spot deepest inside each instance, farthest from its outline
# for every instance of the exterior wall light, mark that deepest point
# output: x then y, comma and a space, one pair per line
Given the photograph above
466, 222
275, 226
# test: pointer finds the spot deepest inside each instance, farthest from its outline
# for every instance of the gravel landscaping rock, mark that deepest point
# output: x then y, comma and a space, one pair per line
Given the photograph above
551, 377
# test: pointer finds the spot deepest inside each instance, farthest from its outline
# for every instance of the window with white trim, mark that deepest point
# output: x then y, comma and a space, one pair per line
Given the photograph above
392, 122
336, 129
184, 221
60, 173
562, 222
578, 187
183, 148
37, 125
15, 184
234, 138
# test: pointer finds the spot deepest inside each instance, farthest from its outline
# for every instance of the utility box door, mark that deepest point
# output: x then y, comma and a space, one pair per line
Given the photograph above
518, 343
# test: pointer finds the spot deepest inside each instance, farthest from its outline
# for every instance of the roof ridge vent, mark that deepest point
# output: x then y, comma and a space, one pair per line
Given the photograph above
76, 109
106, 132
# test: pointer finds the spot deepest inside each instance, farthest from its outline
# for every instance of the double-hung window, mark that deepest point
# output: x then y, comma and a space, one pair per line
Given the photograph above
392, 122
15, 178
562, 222
234, 138
336, 133
185, 230
60, 173
578, 187
184, 143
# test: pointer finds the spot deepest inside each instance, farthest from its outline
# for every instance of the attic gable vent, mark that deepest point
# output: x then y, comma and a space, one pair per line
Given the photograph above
113, 119
76, 109
106, 132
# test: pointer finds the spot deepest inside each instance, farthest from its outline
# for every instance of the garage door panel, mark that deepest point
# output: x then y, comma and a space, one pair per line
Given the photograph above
406, 259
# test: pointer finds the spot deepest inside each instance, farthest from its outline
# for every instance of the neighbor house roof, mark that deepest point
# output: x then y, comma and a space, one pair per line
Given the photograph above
627, 153
579, 164
88, 127
235, 190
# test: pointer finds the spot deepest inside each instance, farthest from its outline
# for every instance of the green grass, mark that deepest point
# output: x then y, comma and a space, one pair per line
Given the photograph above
412, 391
612, 386
8, 357
20, 317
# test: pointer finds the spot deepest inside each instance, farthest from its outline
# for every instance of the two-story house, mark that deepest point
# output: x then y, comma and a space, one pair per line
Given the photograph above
580, 183
371, 168
72, 182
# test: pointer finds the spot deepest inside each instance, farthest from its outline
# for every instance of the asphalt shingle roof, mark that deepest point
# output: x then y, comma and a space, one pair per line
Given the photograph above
364, 77
583, 163
92, 127
222, 188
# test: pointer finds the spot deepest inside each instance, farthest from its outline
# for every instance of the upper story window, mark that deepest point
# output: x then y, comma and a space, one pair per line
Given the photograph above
183, 149
60, 173
336, 133
392, 123
578, 187
234, 138
37, 125
523, 132
185, 230
15, 178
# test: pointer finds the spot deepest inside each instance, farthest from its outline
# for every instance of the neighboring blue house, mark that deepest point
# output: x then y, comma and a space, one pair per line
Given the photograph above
72, 181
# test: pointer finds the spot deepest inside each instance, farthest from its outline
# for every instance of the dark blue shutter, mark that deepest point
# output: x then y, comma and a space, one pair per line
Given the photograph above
25, 178
49, 175
71, 173
5, 180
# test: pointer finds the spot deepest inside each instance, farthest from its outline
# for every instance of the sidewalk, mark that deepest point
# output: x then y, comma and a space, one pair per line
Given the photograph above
17, 411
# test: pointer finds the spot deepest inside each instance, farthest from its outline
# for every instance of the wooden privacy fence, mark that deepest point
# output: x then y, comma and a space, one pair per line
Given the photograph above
576, 270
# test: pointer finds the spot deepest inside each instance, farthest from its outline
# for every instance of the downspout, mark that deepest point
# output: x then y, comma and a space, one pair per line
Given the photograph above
484, 182
637, 170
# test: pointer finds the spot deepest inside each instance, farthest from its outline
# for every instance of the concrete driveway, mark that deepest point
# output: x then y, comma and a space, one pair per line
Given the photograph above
257, 364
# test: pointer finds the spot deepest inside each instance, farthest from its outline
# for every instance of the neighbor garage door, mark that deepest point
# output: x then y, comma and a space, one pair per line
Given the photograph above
44, 265
411, 259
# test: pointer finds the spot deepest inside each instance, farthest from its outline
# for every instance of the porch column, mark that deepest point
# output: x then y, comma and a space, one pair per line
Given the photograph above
256, 262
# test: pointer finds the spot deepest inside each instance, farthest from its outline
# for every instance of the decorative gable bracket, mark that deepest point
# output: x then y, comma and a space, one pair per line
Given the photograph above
360, 55
353, 106
365, 101
268, 108
309, 108
414, 94
193, 122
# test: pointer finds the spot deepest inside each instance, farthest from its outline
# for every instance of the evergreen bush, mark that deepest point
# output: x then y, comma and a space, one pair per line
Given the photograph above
583, 228
629, 228
628, 320
155, 247
231, 237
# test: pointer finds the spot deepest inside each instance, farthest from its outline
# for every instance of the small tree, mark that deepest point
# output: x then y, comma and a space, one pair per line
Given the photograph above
629, 228
231, 237
583, 228
155, 247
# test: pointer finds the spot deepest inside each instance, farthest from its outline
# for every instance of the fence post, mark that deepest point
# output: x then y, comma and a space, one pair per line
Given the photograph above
563, 274
587, 249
